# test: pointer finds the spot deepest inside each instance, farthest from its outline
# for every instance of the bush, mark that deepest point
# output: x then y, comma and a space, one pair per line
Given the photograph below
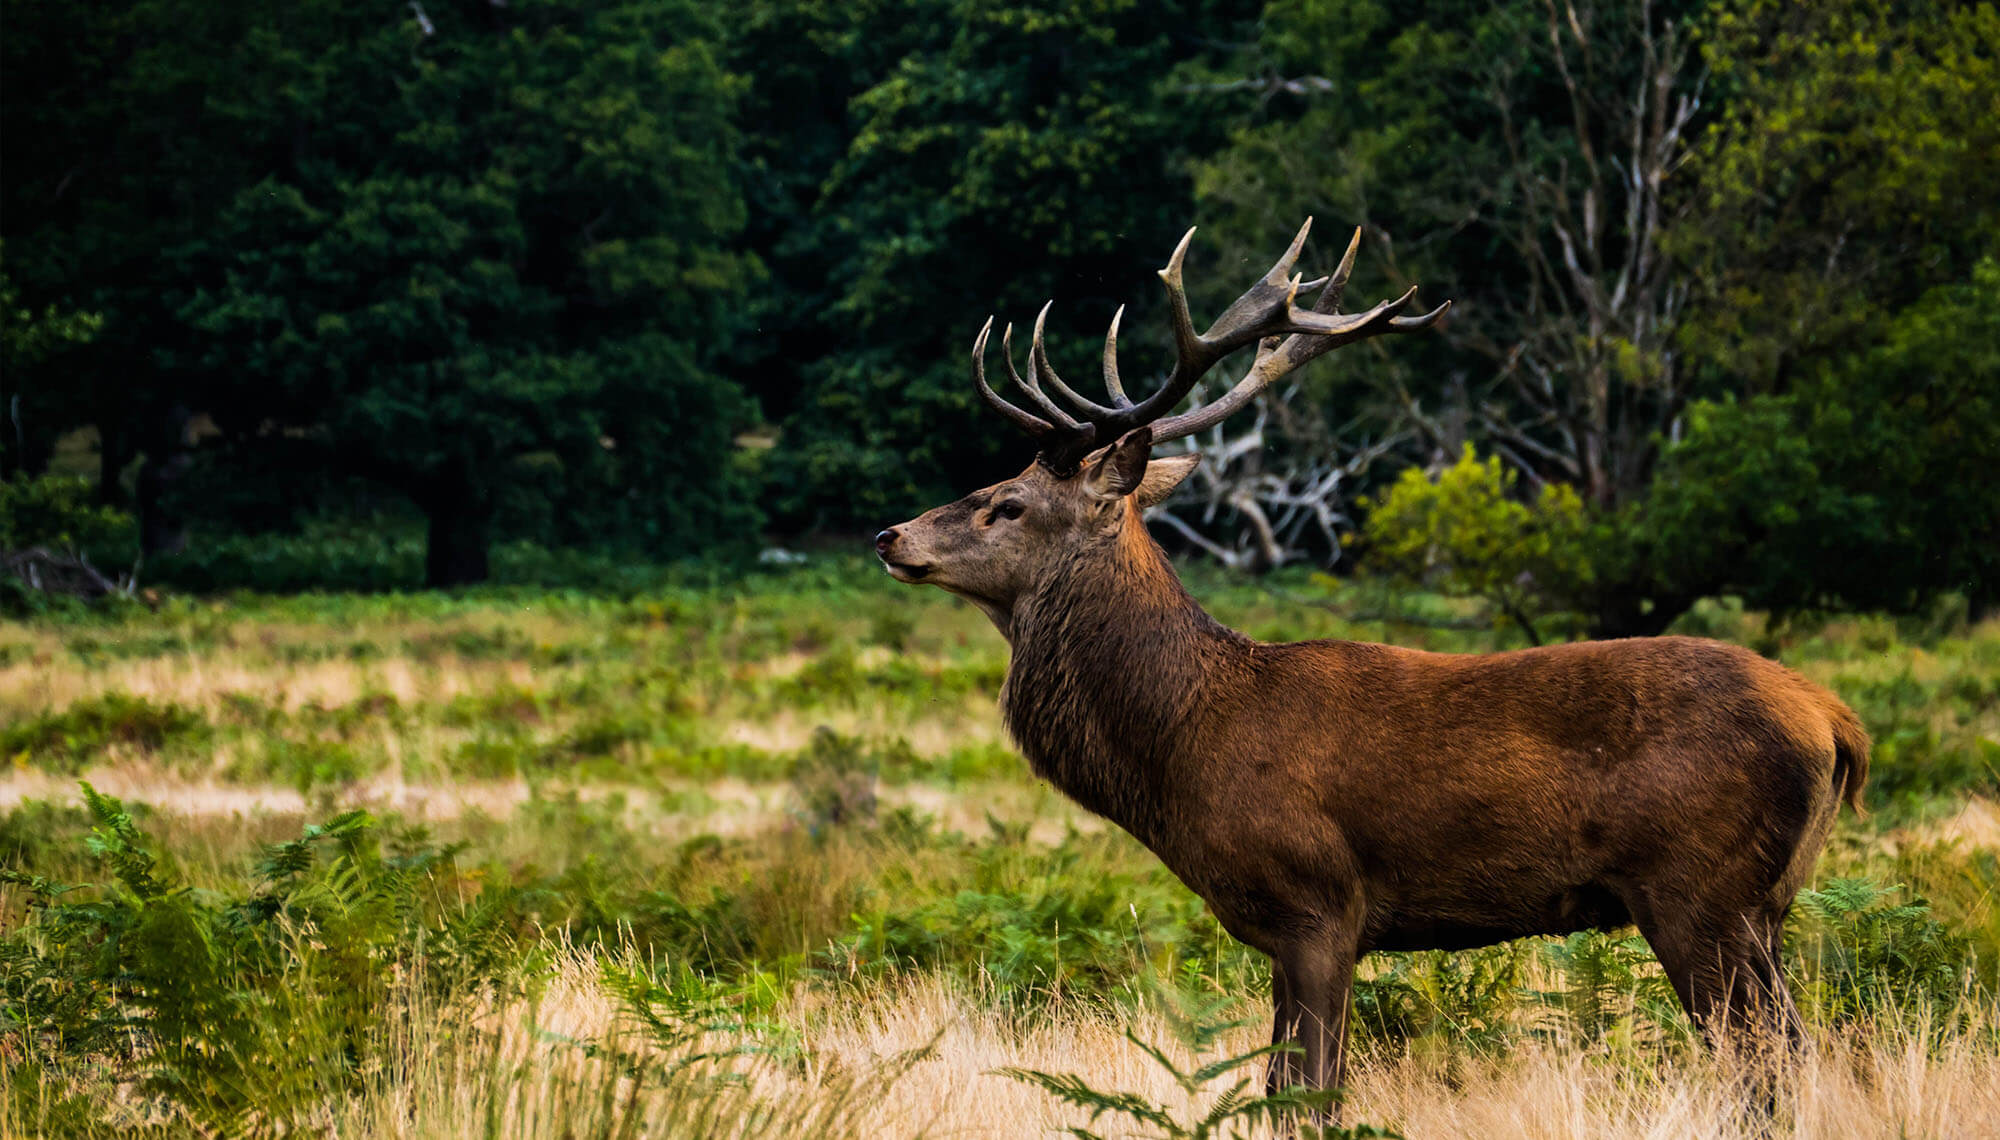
1467, 532
1912, 759
1465, 996
66, 740
1860, 954
60, 512
834, 781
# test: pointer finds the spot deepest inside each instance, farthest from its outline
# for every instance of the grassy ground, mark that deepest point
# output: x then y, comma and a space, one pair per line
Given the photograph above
753, 858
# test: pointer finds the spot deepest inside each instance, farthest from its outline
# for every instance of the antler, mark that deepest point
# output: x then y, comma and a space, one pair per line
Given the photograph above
1267, 315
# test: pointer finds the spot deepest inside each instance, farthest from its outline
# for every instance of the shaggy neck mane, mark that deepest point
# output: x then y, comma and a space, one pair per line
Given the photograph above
1111, 659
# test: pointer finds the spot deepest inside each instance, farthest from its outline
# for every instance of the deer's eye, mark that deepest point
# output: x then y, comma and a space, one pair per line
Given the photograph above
1009, 510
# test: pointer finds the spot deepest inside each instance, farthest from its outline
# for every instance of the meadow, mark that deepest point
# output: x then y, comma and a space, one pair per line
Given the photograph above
750, 856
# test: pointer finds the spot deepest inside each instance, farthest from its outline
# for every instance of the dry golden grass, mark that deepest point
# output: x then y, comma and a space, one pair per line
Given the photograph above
923, 1061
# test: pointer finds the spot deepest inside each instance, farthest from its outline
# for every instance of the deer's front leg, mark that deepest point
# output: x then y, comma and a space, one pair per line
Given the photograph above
1286, 1068
1318, 967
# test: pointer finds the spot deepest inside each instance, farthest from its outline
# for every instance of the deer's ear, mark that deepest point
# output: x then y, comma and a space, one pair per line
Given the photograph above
1118, 470
1163, 475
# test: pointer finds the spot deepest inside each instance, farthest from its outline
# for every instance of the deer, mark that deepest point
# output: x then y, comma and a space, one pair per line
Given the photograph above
1330, 798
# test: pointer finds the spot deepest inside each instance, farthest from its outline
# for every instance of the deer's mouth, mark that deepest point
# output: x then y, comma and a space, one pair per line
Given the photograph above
906, 572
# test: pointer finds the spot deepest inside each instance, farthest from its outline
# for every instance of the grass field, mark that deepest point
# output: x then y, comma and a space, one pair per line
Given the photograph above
753, 858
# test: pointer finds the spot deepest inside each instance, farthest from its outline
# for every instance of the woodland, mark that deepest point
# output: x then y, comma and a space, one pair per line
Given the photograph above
676, 280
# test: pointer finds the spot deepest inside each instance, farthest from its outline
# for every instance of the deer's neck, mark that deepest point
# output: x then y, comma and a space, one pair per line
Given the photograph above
1112, 661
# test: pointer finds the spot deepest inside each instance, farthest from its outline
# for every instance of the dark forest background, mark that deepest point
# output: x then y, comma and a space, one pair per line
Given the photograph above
301, 289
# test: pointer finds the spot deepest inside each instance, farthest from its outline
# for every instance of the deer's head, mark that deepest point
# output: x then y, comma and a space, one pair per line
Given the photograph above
1092, 476
996, 543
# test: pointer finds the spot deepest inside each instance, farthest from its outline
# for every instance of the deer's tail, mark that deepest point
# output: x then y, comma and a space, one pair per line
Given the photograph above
1850, 751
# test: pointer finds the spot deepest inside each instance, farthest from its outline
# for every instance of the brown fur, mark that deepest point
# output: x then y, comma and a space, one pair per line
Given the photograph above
1328, 798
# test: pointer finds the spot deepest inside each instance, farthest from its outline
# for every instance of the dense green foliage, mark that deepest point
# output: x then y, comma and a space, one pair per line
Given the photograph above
1794, 232
29, 338
653, 278
469, 257
1465, 532
1000, 156
60, 513
1843, 255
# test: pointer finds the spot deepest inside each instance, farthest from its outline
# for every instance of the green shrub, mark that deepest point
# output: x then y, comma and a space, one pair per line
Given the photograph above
1857, 954
129, 644
834, 781
1466, 997
66, 740
1035, 925
362, 554
891, 629
307, 764
1467, 532
61, 512
1912, 759
1607, 983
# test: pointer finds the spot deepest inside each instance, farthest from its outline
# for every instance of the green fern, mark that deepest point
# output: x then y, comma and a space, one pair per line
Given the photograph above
241, 1008
1605, 983
1197, 1023
116, 840
1857, 952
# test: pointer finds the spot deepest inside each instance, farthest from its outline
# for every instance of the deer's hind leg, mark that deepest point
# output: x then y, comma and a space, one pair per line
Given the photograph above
1723, 962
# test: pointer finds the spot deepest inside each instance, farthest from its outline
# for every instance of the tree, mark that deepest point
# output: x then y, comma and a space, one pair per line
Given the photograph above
1518, 159
107, 167
992, 157
1650, 218
1867, 486
28, 338
1842, 245
1848, 172
460, 252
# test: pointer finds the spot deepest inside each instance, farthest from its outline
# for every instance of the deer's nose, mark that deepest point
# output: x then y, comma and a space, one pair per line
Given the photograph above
884, 541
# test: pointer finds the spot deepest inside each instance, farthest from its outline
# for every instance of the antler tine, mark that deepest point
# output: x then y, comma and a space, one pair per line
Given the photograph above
1112, 384
1187, 342
1267, 315
1045, 373
1258, 313
1312, 334
1412, 324
1325, 332
1329, 301
1033, 425
1028, 387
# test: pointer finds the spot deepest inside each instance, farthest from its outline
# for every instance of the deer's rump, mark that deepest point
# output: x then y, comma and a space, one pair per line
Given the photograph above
1472, 799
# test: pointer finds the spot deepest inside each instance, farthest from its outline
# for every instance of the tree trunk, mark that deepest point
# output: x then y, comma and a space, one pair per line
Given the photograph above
113, 452
1982, 601
22, 452
161, 530
461, 530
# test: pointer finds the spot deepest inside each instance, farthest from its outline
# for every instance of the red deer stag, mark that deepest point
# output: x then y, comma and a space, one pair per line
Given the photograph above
1328, 798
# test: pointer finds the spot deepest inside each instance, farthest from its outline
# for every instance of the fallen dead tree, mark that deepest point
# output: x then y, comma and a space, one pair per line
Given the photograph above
64, 574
